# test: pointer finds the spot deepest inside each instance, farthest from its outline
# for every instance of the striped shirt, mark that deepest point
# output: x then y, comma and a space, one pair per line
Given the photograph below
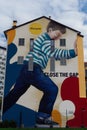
42, 51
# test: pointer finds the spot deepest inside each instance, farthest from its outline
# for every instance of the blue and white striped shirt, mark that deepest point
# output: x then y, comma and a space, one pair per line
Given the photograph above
42, 51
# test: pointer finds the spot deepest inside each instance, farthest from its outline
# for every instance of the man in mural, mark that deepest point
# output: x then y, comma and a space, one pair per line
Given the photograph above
42, 51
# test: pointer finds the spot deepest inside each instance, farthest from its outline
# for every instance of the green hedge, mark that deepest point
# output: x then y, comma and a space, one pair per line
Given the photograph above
8, 124
43, 128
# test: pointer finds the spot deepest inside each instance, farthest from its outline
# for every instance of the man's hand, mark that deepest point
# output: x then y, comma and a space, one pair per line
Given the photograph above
75, 47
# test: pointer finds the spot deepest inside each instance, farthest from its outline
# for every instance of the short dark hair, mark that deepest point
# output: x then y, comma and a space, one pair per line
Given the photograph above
56, 26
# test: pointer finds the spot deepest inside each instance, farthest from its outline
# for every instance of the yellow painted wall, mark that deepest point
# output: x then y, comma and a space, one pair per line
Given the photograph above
81, 70
10, 36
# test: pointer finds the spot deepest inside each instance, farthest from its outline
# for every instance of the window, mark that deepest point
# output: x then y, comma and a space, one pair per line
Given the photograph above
52, 59
30, 63
62, 42
21, 41
63, 61
31, 44
20, 59
52, 45
52, 64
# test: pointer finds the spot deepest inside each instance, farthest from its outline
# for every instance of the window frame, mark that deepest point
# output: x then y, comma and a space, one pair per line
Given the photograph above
63, 42
21, 42
52, 59
20, 60
63, 62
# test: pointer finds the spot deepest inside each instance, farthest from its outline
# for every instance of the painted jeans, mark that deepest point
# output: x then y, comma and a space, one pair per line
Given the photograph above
38, 79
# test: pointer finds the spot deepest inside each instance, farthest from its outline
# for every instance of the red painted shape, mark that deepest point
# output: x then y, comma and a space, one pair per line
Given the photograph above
70, 91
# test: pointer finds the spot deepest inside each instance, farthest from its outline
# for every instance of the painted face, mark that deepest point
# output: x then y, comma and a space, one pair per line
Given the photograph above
56, 34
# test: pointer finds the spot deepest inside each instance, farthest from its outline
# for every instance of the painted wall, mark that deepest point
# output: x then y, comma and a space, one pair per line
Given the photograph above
66, 108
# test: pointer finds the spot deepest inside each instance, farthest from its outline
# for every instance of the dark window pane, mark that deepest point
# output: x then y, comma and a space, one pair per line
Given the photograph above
21, 41
31, 44
62, 42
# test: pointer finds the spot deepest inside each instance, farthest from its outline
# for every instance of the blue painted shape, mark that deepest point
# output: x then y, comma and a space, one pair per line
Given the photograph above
12, 72
28, 115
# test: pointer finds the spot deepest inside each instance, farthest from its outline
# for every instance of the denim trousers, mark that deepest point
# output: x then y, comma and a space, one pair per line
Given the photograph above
39, 80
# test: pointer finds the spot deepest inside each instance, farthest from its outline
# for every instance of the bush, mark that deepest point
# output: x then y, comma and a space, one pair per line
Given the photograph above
12, 124
8, 124
5, 124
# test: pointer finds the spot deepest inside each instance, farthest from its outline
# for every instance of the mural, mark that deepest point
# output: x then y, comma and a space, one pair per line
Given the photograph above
52, 87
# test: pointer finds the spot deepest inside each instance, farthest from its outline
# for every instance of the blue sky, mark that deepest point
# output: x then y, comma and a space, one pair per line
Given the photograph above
72, 13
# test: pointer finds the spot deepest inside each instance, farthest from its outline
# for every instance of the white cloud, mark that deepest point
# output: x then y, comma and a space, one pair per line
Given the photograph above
68, 12
65, 4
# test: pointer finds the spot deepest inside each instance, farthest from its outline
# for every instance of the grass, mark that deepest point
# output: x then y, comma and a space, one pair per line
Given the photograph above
43, 128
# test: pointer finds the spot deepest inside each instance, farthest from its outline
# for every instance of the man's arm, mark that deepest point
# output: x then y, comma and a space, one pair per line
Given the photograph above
68, 54
61, 53
58, 53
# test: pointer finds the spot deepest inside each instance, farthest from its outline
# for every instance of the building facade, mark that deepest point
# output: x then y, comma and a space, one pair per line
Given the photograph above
68, 75
2, 76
